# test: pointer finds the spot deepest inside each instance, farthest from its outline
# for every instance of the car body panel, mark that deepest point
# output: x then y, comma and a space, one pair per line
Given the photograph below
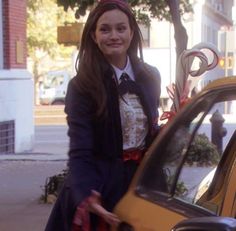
229, 207
228, 186
145, 215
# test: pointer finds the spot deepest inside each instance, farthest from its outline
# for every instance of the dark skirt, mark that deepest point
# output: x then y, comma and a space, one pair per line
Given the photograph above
114, 179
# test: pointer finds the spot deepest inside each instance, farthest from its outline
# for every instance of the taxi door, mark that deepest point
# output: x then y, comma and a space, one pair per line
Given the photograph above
229, 205
167, 186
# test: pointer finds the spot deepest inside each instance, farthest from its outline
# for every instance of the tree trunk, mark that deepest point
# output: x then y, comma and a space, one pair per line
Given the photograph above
181, 37
36, 78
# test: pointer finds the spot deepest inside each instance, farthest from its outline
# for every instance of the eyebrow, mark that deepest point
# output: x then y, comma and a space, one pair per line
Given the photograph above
119, 24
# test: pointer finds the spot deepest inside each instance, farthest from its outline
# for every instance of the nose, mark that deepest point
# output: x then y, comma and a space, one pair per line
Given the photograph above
114, 34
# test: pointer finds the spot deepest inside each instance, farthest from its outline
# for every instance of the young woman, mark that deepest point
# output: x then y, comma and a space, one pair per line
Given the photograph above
111, 108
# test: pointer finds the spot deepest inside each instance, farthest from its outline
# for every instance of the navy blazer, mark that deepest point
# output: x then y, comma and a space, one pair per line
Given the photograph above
96, 143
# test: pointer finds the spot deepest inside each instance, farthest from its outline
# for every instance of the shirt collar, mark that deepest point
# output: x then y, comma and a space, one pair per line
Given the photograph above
127, 69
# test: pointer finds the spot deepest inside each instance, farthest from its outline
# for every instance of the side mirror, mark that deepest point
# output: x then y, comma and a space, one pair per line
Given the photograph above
206, 224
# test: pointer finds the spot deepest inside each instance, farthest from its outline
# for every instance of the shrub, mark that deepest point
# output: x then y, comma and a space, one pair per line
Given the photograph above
202, 152
53, 185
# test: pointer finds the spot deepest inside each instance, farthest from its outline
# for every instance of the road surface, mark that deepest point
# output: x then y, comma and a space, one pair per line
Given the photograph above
22, 181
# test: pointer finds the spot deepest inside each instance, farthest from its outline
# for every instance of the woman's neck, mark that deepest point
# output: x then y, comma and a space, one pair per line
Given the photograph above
119, 63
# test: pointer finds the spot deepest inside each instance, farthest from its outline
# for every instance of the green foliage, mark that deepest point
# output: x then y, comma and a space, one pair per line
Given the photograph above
54, 185
155, 8
41, 26
142, 17
170, 10
181, 189
203, 152
43, 17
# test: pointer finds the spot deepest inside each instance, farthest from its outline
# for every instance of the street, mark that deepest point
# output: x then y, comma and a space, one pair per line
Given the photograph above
51, 139
22, 181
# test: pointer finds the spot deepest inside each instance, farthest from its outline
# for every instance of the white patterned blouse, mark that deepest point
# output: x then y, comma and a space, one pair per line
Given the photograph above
133, 119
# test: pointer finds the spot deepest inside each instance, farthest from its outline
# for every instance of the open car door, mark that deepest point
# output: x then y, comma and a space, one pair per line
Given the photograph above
184, 174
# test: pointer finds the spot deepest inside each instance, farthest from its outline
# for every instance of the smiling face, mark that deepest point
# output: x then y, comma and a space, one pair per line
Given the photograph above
113, 36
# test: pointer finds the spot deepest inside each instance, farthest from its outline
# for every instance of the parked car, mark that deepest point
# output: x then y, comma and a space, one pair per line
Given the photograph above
190, 169
53, 87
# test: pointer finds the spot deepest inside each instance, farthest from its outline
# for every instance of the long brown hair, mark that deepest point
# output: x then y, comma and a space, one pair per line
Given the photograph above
90, 61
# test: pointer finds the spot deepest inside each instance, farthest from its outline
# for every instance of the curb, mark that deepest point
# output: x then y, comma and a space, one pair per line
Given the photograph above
33, 157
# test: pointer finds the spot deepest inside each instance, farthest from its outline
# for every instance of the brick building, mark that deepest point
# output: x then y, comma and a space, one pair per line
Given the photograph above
16, 84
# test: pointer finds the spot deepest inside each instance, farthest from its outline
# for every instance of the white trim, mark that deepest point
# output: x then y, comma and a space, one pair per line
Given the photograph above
1, 37
15, 74
17, 103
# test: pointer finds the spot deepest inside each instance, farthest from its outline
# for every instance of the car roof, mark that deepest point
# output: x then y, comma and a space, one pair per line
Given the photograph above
225, 81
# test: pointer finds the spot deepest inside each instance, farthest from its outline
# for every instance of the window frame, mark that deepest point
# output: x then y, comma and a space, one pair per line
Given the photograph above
168, 199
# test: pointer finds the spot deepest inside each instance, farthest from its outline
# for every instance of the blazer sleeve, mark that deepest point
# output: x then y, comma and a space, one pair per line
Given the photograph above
82, 176
154, 92
155, 82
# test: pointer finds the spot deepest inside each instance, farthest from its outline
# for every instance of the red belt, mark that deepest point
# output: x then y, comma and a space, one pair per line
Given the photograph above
134, 154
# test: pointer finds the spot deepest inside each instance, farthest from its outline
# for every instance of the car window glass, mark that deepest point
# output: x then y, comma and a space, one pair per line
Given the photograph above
173, 168
160, 173
52, 81
203, 156
176, 150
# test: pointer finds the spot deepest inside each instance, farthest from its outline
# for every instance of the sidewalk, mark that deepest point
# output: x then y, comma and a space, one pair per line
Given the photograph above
22, 180
23, 177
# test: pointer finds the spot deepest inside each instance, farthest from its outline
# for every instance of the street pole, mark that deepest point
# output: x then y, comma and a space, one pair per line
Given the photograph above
226, 53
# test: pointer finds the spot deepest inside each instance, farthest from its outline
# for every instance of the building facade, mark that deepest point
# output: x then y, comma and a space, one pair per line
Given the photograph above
210, 20
16, 83
216, 21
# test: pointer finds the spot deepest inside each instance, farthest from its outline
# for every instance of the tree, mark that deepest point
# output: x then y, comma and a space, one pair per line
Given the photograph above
170, 10
42, 35
181, 37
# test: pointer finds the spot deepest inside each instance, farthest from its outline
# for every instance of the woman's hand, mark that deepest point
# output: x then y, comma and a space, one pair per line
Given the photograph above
96, 207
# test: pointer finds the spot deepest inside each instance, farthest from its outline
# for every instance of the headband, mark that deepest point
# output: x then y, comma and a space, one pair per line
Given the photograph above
118, 2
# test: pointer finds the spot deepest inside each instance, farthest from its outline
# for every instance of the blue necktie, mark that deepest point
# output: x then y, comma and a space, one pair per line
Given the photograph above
127, 85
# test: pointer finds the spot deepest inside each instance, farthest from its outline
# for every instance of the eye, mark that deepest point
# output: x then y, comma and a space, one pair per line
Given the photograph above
104, 29
121, 29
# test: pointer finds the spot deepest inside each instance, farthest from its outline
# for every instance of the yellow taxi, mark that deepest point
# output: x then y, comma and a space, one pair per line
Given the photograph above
190, 169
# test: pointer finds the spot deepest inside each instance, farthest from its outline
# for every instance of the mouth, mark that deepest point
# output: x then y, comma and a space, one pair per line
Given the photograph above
114, 45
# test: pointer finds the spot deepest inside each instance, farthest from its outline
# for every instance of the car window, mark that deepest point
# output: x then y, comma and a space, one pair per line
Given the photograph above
202, 159
159, 175
184, 162
52, 80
